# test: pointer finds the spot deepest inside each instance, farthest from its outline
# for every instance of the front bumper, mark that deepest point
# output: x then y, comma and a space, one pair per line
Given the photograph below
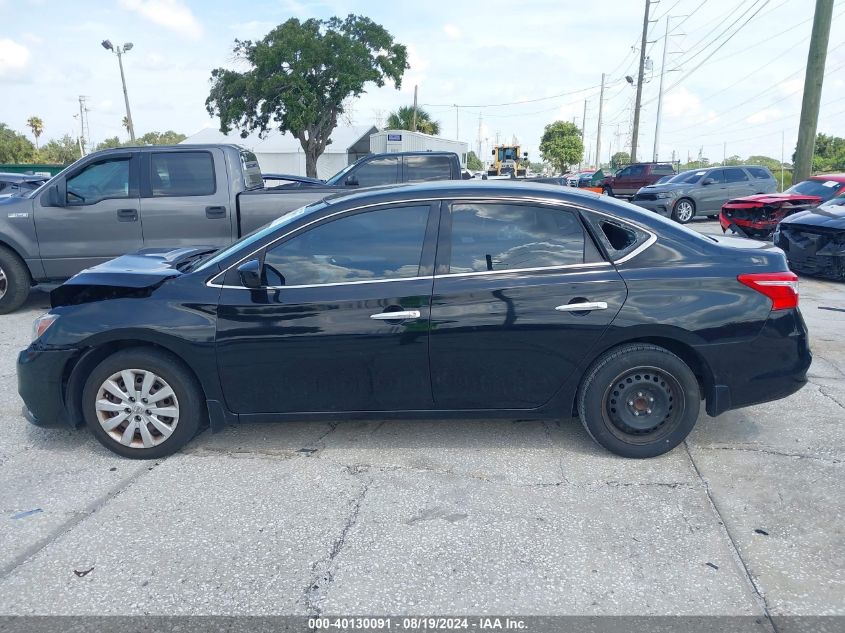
813, 252
663, 206
41, 385
747, 228
772, 366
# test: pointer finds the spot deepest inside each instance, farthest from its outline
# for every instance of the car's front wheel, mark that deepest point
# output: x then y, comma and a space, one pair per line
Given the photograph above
683, 211
142, 403
607, 191
14, 281
639, 400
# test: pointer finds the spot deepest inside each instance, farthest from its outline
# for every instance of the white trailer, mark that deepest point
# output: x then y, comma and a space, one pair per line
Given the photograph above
407, 141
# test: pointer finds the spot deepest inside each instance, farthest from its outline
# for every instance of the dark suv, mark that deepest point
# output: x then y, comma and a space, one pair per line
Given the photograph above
632, 178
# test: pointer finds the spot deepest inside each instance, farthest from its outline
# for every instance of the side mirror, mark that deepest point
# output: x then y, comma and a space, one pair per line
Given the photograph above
493, 153
708, 181
250, 274
525, 155
55, 197
351, 181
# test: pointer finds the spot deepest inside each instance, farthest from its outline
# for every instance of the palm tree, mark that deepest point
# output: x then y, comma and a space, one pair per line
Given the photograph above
125, 123
35, 124
403, 119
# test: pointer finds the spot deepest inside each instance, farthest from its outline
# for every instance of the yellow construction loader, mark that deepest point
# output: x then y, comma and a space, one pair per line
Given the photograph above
508, 161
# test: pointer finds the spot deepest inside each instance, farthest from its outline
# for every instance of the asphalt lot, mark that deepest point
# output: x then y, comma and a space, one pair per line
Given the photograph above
471, 517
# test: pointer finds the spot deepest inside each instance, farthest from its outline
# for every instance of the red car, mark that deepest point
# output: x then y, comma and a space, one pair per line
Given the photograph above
757, 216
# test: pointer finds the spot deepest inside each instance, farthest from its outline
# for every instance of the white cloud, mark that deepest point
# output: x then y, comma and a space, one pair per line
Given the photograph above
681, 103
791, 86
763, 116
171, 14
14, 58
452, 31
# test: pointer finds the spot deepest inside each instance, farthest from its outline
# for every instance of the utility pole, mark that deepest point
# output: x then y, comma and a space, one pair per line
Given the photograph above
414, 124
583, 127
781, 161
724, 152
639, 85
479, 135
812, 90
83, 131
457, 123
598, 127
660, 93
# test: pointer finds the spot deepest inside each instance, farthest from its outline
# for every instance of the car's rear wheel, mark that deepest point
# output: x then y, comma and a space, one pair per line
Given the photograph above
142, 403
683, 211
15, 281
607, 191
639, 400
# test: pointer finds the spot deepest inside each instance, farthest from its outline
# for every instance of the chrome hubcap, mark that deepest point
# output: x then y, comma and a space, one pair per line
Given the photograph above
4, 283
684, 211
137, 408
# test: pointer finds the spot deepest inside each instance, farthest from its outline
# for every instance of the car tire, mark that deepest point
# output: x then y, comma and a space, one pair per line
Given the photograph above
149, 428
639, 400
683, 211
15, 281
607, 191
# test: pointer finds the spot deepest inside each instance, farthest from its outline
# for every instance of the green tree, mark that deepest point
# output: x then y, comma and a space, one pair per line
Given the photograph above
299, 75
403, 119
620, 159
36, 125
15, 147
474, 162
109, 143
161, 138
535, 168
764, 161
733, 160
60, 152
561, 145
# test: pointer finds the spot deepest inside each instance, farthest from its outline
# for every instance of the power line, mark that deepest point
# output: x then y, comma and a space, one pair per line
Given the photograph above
510, 103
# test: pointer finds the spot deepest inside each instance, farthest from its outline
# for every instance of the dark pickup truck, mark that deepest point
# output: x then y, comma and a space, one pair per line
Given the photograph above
123, 200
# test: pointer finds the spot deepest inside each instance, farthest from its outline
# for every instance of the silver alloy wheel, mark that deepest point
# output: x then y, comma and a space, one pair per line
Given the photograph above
137, 408
684, 211
4, 283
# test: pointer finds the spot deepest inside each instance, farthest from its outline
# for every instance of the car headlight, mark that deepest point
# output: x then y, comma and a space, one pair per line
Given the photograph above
42, 324
665, 194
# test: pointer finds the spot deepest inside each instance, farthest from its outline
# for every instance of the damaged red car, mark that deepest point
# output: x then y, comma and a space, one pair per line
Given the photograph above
757, 216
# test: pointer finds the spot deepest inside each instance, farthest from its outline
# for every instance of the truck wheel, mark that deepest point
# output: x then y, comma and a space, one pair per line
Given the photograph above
15, 281
683, 211
607, 191
639, 400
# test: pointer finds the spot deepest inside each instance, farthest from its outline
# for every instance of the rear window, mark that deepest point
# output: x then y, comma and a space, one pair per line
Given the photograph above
735, 174
182, 174
760, 173
618, 238
663, 169
425, 168
251, 170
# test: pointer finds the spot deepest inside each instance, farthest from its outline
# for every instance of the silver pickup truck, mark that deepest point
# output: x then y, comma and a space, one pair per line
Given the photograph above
122, 200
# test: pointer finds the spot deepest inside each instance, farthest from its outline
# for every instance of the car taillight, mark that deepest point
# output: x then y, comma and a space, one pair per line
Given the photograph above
781, 288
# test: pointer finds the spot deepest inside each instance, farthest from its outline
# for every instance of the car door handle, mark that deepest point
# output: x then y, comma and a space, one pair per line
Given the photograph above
399, 315
585, 306
127, 215
215, 212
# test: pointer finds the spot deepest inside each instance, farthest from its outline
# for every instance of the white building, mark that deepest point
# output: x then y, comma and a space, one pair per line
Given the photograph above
282, 154
407, 141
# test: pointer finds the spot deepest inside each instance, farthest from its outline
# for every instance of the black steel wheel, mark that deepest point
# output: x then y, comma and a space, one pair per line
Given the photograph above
639, 400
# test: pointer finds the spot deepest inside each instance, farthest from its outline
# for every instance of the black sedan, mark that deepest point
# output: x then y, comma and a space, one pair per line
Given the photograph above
452, 299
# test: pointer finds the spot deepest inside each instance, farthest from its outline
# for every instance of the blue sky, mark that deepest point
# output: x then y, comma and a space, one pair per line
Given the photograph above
547, 56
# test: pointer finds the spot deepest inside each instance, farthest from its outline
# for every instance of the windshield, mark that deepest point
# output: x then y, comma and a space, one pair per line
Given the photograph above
259, 234
687, 177
507, 153
824, 189
339, 175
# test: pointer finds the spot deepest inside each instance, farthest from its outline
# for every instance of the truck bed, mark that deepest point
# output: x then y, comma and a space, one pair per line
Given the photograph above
260, 207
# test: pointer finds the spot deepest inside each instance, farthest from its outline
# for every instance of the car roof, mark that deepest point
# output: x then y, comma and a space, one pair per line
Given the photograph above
836, 177
460, 188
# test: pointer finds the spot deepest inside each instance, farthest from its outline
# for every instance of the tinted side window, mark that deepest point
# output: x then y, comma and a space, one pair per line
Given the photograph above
735, 174
379, 171
635, 170
663, 169
759, 173
98, 181
422, 168
382, 244
717, 175
489, 237
182, 174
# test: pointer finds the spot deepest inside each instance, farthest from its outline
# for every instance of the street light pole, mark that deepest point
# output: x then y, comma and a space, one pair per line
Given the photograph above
119, 52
